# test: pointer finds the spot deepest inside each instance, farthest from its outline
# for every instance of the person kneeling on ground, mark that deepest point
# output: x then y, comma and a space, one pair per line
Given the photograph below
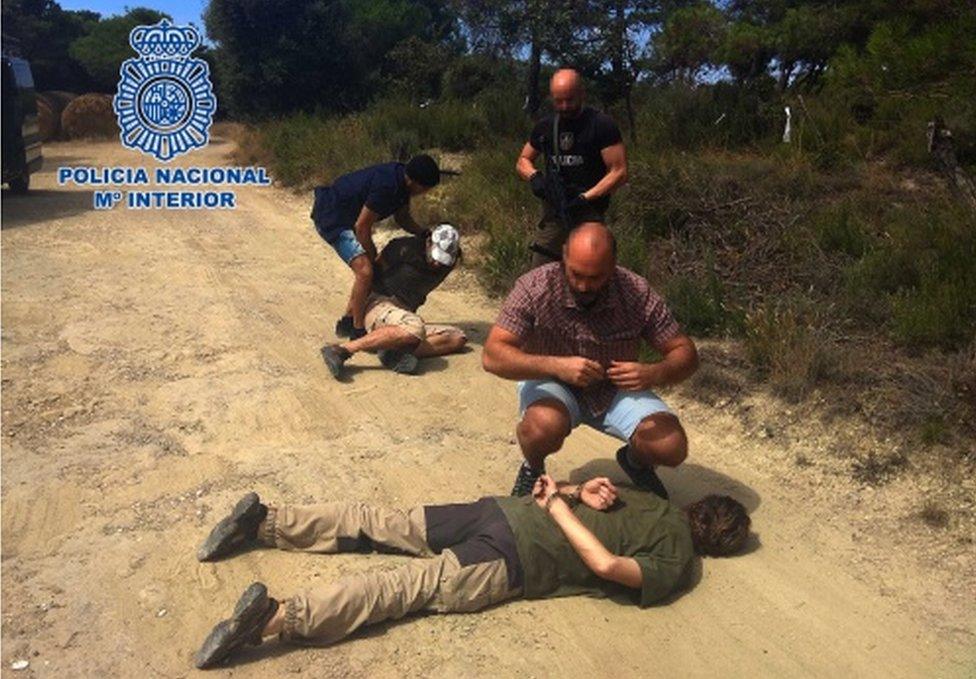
555, 543
346, 212
407, 270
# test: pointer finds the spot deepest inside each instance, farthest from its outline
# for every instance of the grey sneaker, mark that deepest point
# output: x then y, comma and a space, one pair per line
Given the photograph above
402, 362
251, 614
644, 478
335, 357
236, 530
525, 480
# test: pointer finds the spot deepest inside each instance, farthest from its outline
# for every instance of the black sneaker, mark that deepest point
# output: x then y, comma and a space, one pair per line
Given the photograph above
644, 478
237, 529
251, 614
402, 362
335, 356
343, 327
525, 480
357, 333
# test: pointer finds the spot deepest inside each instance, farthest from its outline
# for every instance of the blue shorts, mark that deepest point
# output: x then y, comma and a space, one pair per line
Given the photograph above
333, 224
620, 420
346, 245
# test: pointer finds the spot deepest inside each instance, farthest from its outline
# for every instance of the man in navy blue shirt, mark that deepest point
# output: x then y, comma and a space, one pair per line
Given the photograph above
345, 212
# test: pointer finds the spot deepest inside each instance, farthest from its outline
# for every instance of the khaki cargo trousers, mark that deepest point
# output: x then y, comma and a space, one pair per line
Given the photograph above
329, 612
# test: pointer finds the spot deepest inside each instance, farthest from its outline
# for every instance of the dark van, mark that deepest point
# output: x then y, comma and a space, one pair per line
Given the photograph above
21, 134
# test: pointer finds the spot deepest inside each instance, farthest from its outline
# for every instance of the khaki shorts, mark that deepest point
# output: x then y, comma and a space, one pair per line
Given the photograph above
383, 311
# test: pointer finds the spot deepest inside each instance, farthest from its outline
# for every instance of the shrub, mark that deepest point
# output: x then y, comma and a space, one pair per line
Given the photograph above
939, 313
784, 347
306, 149
450, 124
921, 277
840, 229
700, 307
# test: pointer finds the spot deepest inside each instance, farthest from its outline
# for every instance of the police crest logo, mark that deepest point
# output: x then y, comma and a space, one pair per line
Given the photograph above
165, 102
565, 141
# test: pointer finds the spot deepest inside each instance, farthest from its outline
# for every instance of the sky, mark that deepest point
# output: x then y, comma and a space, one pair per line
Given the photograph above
182, 11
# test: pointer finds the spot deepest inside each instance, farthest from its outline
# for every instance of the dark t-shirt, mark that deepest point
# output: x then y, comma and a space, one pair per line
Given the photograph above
403, 271
581, 139
641, 525
382, 188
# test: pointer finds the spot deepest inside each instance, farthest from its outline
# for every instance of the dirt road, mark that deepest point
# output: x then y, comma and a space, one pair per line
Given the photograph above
158, 364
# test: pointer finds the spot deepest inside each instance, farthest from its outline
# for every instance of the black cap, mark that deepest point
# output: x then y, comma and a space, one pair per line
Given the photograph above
423, 170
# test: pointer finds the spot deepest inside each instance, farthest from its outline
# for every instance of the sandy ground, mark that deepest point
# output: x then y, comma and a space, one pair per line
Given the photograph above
156, 365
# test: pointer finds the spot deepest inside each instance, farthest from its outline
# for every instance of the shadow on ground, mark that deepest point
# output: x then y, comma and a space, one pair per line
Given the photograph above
37, 207
685, 484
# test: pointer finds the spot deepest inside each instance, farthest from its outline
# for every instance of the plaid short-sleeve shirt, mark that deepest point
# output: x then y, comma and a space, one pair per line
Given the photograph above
542, 312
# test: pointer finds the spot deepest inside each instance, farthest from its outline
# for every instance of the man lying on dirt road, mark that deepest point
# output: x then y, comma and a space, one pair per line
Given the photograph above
571, 332
481, 553
584, 163
408, 269
345, 212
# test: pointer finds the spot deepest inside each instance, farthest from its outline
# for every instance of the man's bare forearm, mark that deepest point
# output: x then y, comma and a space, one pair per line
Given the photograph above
589, 548
610, 182
677, 365
525, 168
512, 363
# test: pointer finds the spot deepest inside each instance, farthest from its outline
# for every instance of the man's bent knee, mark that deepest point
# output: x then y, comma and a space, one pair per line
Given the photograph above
660, 440
409, 338
545, 424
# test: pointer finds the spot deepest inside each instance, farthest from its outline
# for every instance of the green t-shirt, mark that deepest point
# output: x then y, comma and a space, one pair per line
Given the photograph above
640, 525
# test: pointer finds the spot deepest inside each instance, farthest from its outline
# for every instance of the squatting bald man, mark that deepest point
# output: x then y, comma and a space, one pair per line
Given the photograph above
570, 332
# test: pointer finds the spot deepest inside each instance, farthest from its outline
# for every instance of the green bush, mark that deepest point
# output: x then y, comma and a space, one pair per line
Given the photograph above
921, 277
720, 116
786, 348
306, 149
451, 125
700, 306
938, 313
839, 229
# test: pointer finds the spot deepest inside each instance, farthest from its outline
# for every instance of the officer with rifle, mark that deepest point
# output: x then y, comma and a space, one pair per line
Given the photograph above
584, 162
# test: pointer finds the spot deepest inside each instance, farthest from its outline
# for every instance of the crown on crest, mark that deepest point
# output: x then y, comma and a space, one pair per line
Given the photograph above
164, 40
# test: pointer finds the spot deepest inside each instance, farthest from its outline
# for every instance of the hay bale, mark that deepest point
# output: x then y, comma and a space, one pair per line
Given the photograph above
47, 122
90, 115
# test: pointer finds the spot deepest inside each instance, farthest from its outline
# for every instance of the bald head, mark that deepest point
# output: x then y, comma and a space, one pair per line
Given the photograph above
589, 259
591, 241
566, 88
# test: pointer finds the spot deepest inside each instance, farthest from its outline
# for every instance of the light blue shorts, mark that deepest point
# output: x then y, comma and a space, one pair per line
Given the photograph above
620, 420
346, 245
